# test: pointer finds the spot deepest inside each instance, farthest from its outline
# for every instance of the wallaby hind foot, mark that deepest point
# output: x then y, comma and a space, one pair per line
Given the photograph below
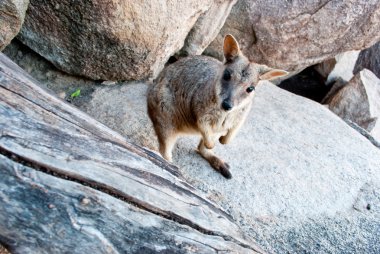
215, 162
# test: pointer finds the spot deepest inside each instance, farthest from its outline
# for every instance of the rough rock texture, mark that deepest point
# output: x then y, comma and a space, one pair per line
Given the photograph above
131, 118
59, 82
359, 101
296, 186
303, 181
369, 59
45, 139
345, 65
115, 40
295, 34
12, 14
207, 27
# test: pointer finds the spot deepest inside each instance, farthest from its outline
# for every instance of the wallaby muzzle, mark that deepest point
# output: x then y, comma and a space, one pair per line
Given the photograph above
226, 105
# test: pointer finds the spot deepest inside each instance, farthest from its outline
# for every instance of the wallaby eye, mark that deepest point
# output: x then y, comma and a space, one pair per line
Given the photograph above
227, 75
250, 89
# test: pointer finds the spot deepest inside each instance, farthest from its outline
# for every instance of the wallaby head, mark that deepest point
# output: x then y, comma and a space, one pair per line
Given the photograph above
240, 77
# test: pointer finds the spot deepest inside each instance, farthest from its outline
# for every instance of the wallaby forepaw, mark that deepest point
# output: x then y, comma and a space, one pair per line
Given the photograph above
223, 140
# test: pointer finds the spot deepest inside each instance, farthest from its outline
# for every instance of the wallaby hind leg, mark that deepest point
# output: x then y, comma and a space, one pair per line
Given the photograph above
218, 164
166, 141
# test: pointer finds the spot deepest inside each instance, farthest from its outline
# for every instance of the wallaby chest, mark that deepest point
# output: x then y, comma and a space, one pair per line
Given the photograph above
220, 121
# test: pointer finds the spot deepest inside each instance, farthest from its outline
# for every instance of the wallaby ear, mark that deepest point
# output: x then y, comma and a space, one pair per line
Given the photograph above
267, 73
230, 48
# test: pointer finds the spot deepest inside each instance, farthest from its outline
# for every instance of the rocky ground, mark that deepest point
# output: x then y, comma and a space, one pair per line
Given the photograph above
55, 80
303, 180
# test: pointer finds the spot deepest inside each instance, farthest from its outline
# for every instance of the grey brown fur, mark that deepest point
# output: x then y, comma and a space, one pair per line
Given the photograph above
201, 95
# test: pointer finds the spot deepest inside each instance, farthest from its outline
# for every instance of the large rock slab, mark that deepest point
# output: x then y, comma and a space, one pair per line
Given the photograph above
119, 40
295, 34
130, 117
343, 66
303, 180
54, 159
12, 14
359, 101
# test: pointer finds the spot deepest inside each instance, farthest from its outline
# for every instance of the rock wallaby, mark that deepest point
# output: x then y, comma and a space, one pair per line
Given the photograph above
201, 95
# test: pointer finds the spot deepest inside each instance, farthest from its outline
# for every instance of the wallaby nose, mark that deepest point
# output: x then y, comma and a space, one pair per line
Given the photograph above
226, 105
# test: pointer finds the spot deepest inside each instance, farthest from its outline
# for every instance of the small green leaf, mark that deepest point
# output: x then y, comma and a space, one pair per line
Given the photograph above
75, 94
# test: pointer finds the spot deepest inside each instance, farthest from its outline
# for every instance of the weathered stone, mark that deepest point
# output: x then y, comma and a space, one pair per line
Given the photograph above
358, 101
345, 65
116, 40
302, 178
294, 34
130, 117
207, 27
41, 214
295, 183
50, 77
369, 59
12, 13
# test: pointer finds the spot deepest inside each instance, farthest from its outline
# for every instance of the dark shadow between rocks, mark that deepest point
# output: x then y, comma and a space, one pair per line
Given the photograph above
308, 83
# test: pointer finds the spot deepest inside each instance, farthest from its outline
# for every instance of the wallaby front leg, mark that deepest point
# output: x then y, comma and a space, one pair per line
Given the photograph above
218, 164
208, 138
231, 133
